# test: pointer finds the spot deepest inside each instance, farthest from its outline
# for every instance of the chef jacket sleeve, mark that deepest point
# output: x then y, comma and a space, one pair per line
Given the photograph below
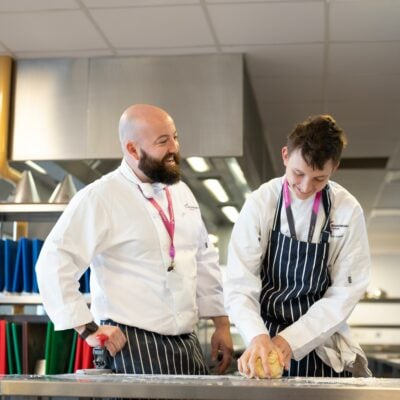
246, 251
66, 254
210, 300
349, 273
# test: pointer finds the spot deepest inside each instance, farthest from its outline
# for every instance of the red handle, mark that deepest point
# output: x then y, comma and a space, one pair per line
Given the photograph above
102, 338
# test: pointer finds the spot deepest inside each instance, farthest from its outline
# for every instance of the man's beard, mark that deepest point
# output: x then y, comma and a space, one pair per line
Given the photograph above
158, 171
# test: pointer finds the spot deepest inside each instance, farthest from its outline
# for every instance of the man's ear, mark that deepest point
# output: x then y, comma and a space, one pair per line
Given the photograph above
133, 150
285, 155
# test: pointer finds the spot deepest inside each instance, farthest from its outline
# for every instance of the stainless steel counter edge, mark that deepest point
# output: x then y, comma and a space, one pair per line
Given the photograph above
199, 387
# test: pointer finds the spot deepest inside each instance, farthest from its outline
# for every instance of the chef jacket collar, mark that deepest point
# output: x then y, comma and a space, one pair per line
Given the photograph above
149, 190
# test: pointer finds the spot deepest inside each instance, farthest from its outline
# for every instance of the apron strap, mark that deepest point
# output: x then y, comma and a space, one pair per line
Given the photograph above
327, 203
326, 229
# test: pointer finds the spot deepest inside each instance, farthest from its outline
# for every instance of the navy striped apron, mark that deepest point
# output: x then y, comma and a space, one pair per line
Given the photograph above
148, 352
295, 275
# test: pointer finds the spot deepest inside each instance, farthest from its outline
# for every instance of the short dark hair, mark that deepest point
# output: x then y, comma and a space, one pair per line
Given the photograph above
320, 140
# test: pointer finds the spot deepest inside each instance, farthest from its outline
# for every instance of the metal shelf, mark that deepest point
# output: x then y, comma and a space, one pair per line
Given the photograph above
26, 299
32, 212
30, 318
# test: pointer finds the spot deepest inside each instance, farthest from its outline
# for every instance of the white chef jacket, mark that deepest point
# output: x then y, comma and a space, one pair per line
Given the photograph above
112, 226
348, 262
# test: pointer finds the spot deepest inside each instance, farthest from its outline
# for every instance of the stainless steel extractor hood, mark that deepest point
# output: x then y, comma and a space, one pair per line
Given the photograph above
67, 111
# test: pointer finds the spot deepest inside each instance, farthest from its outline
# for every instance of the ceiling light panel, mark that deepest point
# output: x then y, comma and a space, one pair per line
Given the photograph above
36, 167
216, 189
198, 164
231, 213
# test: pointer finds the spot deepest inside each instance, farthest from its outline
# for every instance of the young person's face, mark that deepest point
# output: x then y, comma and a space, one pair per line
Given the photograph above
303, 179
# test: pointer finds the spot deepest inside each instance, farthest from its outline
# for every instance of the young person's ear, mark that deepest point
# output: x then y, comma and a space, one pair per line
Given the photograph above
335, 167
285, 155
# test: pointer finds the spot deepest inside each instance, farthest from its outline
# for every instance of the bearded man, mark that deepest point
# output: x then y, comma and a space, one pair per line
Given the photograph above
154, 272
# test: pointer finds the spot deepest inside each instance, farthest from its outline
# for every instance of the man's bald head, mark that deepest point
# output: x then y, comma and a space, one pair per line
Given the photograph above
138, 120
150, 144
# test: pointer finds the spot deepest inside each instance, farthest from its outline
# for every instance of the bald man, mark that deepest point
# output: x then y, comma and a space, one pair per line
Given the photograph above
154, 272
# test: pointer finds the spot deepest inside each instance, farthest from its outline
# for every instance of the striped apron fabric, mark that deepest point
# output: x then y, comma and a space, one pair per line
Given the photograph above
151, 353
295, 275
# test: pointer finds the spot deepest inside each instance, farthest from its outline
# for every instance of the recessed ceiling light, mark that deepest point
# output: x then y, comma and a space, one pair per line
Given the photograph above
231, 213
213, 238
198, 164
216, 189
237, 172
36, 167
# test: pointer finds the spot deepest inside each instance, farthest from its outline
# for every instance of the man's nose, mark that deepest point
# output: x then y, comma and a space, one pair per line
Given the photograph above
173, 146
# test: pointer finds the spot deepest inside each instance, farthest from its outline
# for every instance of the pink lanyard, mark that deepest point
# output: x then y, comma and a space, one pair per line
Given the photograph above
168, 223
289, 214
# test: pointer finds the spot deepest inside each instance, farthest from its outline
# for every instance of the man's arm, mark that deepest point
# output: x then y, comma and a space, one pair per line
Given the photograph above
115, 342
221, 342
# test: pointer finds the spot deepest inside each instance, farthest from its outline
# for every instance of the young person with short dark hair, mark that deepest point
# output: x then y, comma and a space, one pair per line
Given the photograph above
298, 262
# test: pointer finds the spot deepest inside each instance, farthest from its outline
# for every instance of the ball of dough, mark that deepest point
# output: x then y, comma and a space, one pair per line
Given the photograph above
275, 368
260, 369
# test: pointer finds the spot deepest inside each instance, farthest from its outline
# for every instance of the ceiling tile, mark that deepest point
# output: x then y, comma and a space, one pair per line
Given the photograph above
240, 1
64, 54
380, 88
394, 162
390, 196
133, 3
290, 113
359, 183
384, 243
366, 130
366, 110
364, 58
29, 5
279, 120
362, 141
360, 146
371, 20
388, 225
268, 23
167, 51
281, 60
44, 31
288, 89
154, 26
365, 120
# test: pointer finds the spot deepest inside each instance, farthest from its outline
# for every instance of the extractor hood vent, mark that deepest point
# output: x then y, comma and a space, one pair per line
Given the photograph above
364, 163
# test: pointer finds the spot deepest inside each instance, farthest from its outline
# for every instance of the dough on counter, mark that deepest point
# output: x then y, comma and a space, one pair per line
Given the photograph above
274, 367
260, 369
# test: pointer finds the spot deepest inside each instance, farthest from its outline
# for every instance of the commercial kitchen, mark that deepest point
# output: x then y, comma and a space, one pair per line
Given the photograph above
236, 75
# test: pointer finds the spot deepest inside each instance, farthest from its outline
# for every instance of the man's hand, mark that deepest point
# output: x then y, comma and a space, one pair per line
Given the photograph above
285, 349
259, 347
221, 342
116, 339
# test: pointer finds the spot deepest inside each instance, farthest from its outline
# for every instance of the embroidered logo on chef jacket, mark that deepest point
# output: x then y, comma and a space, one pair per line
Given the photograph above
191, 206
338, 230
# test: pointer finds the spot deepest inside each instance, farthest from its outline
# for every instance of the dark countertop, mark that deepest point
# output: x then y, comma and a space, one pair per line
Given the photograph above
199, 387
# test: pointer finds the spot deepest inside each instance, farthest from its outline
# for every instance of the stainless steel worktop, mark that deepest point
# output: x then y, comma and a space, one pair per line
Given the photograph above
199, 387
